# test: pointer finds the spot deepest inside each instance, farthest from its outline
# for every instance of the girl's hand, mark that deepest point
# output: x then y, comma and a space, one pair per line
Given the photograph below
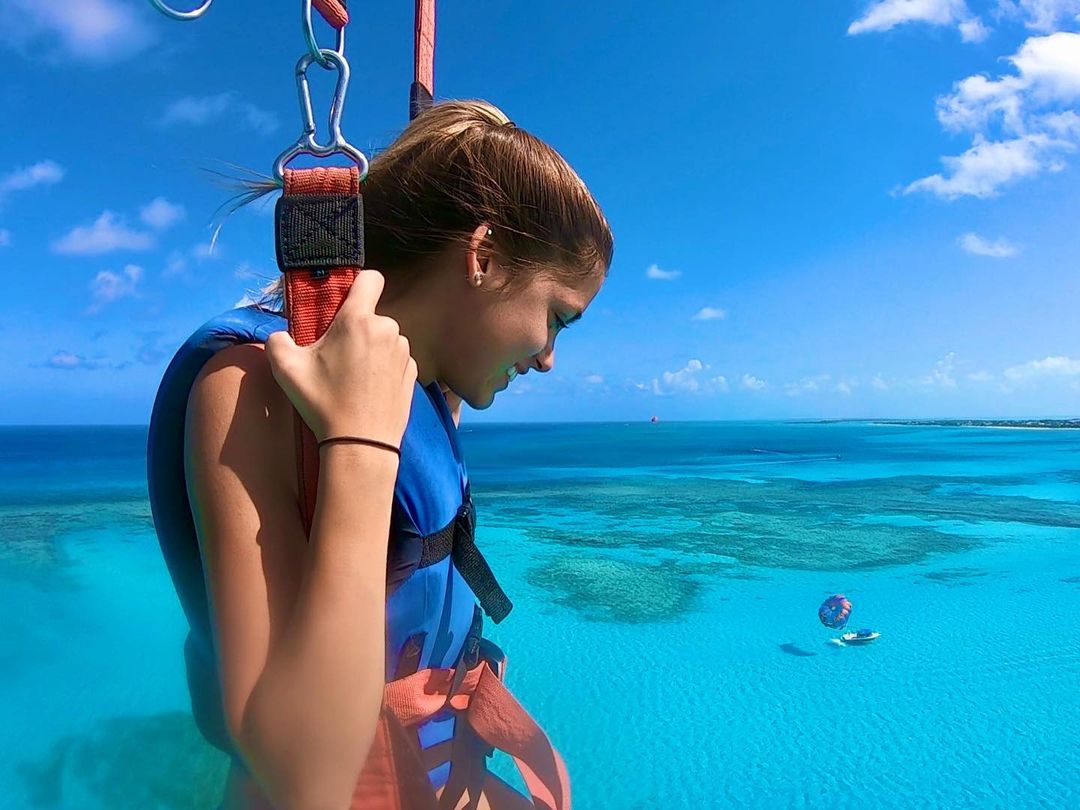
358, 378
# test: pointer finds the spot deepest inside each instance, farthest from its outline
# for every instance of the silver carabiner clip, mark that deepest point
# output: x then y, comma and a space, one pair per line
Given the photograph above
312, 43
183, 16
307, 144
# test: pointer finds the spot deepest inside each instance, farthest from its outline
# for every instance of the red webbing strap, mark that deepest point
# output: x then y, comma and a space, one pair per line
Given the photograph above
333, 11
312, 299
422, 90
424, 61
483, 701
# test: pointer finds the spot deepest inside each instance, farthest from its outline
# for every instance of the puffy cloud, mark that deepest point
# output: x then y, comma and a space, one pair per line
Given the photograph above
846, 385
594, 379
87, 30
108, 233
710, 314
108, 286
1056, 366
878, 383
887, 14
690, 379
1019, 122
980, 376
975, 244
160, 214
983, 169
655, 273
205, 110
42, 173
973, 30
751, 383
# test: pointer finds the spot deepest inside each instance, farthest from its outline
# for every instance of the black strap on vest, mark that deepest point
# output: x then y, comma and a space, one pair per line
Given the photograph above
457, 540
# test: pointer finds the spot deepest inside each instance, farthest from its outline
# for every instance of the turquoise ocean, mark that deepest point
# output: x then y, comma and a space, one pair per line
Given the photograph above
666, 580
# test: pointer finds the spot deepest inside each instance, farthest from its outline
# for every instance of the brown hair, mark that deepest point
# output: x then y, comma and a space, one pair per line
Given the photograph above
464, 163
461, 164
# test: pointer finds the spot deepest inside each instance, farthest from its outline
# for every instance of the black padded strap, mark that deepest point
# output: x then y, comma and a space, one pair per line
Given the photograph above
319, 230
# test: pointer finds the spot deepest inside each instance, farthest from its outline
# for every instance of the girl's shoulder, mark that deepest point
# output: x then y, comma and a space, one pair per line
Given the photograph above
236, 410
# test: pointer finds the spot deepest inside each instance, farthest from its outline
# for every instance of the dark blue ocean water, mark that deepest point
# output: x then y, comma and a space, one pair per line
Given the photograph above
665, 579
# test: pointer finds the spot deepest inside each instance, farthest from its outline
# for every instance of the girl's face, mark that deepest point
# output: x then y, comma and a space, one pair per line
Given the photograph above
498, 335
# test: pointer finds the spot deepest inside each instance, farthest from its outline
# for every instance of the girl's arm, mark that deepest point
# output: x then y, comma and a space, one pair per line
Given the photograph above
299, 625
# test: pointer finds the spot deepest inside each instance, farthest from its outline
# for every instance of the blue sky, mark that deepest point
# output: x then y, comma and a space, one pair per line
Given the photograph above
836, 208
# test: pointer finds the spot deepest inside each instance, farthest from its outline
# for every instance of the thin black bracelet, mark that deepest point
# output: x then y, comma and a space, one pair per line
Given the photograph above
358, 440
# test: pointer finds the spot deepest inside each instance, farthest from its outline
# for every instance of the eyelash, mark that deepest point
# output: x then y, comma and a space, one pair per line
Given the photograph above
560, 324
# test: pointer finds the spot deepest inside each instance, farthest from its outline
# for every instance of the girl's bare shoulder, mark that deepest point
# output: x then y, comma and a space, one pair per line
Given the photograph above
237, 414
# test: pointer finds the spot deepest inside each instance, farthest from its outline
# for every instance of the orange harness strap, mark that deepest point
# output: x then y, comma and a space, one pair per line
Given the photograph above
483, 701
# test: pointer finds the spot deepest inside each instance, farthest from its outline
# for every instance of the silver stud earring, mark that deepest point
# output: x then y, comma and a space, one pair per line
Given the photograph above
478, 278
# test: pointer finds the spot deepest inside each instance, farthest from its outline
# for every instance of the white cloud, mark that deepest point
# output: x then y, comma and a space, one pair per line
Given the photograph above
108, 286
807, 385
1057, 366
983, 169
751, 383
594, 379
69, 361
160, 214
973, 30
710, 314
878, 383
108, 233
1019, 123
654, 272
685, 379
203, 110
887, 14
975, 244
942, 375
1041, 15
689, 379
5, 237
45, 172
980, 376
846, 385
88, 30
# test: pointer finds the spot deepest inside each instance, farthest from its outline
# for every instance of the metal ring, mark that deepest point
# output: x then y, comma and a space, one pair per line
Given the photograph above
183, 16
313, 45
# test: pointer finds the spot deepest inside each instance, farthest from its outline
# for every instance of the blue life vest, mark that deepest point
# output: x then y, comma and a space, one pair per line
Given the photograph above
435, 575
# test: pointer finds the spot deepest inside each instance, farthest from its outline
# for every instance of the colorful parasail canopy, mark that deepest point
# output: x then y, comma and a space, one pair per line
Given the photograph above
834, 611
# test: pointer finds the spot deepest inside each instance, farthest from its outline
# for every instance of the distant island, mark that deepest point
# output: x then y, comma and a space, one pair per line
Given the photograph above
1054, 424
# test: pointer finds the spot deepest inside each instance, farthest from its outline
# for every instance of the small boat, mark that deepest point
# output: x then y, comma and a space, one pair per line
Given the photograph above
864, 636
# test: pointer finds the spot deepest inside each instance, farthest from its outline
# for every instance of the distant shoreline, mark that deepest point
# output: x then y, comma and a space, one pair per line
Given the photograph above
1009, 424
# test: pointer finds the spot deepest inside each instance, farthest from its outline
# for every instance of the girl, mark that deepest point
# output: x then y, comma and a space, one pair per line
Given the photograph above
487, 245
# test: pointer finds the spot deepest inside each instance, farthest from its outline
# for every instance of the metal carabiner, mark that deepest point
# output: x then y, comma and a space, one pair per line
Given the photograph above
307, 145
312, 43
183, 16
